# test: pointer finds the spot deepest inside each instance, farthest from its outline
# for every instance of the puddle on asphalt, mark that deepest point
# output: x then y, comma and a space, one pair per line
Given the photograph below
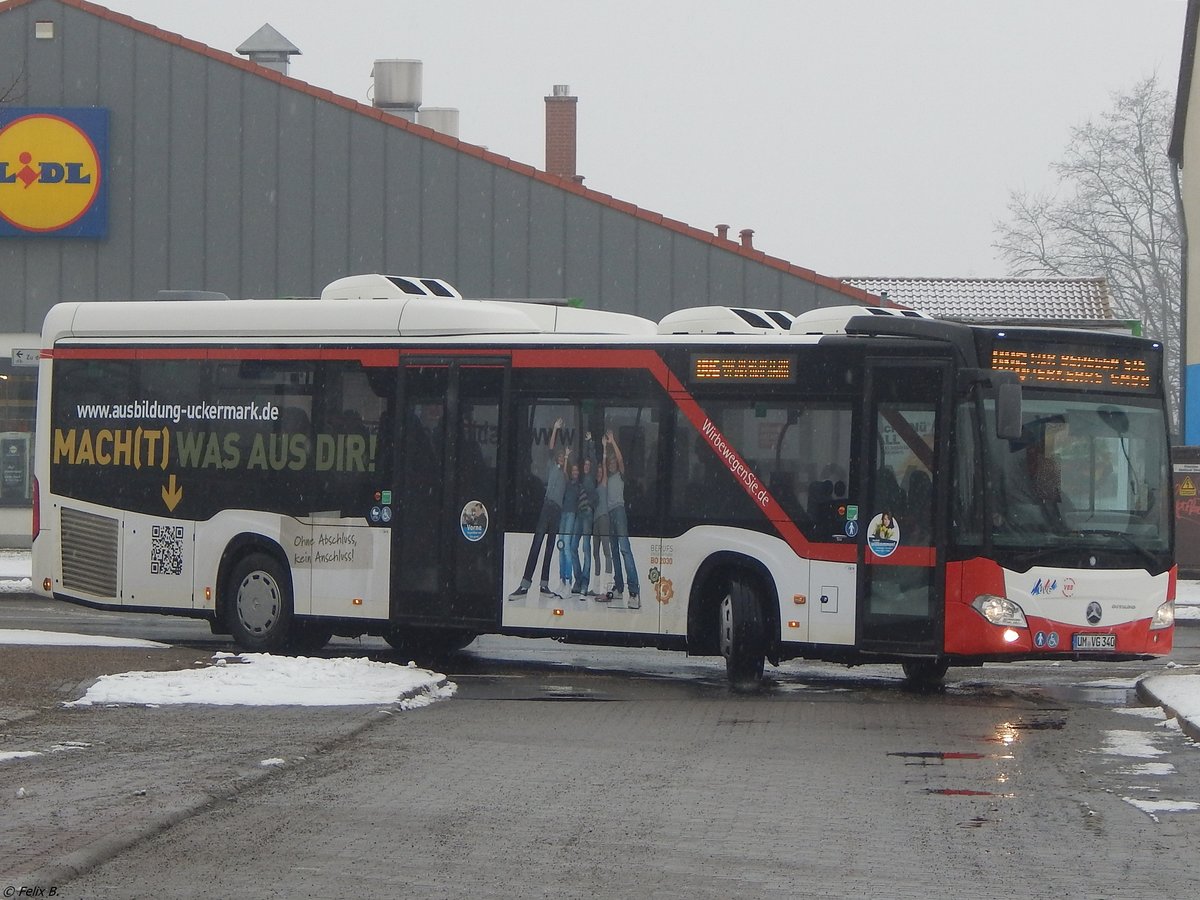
966, 792
925, 757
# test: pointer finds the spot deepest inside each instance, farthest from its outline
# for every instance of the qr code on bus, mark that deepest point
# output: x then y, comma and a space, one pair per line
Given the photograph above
166, 550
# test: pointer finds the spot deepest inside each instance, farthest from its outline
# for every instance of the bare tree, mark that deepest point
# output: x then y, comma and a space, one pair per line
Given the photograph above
1113, 215
13, 89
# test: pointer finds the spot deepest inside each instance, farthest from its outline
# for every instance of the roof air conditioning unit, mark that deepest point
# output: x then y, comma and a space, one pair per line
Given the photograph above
388, 287
725, 320
833, 319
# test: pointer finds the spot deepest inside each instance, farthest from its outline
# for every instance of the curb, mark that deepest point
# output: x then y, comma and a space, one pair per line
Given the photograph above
1190, 728
78, 862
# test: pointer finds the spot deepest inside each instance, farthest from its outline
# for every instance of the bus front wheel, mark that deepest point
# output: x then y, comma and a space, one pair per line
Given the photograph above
742, 636
924, 673
258, 607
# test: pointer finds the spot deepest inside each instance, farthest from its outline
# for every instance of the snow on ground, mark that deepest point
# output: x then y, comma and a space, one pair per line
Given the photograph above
1153, 807
30, 637
1187, 600
1179, 693
15, 572
259, 679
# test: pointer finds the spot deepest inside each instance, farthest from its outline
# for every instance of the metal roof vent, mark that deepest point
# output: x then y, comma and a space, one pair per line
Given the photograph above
269, 48
388, 287
397, 86
833, 319
442, 119
725, 320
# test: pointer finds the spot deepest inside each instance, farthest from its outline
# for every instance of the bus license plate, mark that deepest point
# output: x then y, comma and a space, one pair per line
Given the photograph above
1093, 642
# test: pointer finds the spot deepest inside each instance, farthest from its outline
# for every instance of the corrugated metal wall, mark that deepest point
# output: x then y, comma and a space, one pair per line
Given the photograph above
220, 179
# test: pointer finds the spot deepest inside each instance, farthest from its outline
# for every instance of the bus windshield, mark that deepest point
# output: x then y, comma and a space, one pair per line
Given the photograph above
1083, 475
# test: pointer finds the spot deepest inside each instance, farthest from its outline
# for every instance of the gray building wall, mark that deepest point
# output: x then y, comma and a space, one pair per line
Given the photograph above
229, 177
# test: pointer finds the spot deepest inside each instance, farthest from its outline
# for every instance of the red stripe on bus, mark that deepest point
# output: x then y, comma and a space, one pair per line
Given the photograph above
905, 556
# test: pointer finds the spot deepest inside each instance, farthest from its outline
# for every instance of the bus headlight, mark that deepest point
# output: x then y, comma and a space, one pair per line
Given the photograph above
1000, 611
1164, 616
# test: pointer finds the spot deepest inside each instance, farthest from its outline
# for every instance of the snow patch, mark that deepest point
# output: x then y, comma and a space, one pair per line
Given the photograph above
1130, 743
32, 638
1154, 769
260, 679
6, 755
1153, 807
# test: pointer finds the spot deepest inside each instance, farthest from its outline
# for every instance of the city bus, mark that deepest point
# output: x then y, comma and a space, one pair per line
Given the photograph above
851, 484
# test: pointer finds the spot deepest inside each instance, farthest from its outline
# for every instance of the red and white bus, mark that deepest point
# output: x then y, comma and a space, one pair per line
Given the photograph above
851, 484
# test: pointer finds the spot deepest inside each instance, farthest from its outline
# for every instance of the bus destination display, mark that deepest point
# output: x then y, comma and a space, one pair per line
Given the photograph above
731, 369
1076, 366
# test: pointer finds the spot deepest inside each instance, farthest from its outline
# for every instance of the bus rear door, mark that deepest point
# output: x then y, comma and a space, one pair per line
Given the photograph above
447, 554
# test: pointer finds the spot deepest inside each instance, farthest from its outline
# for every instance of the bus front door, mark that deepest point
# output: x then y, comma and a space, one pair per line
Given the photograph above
446, 559
900, 599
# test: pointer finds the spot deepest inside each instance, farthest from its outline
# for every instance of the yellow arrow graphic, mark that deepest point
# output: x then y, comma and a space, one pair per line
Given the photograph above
172, 493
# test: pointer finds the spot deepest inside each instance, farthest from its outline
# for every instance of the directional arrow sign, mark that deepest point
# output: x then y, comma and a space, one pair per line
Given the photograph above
172, 493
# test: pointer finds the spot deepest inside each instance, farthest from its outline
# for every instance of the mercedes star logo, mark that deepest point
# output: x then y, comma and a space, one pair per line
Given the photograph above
1094, 613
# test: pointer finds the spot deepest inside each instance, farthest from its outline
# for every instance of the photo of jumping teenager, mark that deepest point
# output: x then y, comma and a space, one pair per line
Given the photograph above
548, 518
612, 474
585, 510
566, 525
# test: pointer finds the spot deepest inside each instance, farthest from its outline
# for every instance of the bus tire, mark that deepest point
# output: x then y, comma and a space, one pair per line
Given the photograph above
924, 673
308, 637
258, 605
741, 634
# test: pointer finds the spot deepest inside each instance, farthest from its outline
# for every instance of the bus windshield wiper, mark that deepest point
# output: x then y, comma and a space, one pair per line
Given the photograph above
1125, 539
1030, 558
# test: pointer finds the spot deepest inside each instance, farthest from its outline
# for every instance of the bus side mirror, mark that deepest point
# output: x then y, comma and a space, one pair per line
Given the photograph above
1008, 410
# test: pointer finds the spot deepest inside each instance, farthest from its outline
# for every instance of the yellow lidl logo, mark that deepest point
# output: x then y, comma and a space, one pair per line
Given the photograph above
52, 178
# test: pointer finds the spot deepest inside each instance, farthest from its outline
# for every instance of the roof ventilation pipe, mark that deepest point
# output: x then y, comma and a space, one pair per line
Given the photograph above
269, 48
397, 87
442, 119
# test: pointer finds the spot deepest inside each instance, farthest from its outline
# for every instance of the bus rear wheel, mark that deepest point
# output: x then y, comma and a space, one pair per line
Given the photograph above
925, 673
742, 636
258, 605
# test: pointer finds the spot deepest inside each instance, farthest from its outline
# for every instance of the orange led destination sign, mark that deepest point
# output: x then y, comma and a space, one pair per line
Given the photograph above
727, 369
1076, 366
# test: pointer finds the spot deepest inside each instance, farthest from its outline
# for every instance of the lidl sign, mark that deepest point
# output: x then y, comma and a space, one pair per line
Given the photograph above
53, 172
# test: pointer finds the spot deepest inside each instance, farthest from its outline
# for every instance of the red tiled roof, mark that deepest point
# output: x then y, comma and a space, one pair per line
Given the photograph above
996, 298
564, 184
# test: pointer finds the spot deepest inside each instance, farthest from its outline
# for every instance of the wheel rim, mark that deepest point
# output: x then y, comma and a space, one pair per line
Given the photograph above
258, 602
726, 629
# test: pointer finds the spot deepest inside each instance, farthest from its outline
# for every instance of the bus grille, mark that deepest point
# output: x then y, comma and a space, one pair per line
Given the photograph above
89, 553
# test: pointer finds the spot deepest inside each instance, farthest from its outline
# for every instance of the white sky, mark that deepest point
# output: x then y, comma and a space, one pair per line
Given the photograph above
857, 137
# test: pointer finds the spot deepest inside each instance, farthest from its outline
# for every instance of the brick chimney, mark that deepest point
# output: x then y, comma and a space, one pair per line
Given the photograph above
560, 133
723, 232
747, 236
